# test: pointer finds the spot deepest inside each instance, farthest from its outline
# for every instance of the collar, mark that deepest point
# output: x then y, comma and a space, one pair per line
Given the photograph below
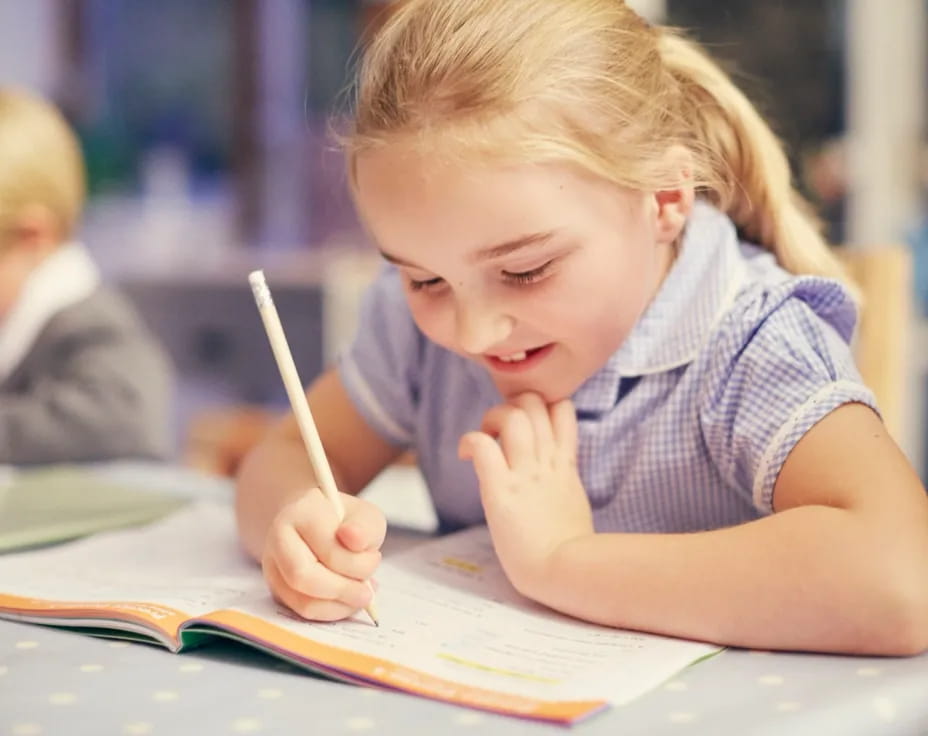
702, 284
64, 278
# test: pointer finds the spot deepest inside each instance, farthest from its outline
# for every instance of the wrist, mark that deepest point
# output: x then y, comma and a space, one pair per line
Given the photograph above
555, 578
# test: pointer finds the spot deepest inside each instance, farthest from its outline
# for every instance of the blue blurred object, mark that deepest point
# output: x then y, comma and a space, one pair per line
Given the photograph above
918, 240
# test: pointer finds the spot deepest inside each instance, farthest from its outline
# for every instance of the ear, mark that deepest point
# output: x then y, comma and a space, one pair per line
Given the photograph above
673, 206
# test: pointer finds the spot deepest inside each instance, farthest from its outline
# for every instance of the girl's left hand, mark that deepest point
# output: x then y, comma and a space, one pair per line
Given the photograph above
525, 457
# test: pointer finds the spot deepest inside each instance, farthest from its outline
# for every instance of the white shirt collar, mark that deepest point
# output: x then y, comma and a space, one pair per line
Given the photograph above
64, 278
701, 286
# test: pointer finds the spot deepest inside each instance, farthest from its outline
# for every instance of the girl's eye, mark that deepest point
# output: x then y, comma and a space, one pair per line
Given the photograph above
425, 284
522, 278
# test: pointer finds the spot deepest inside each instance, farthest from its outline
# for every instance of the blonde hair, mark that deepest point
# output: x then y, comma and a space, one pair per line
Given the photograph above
586, 82
40, 161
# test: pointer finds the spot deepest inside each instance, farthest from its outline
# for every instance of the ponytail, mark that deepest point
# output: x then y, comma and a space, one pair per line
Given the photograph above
749, 175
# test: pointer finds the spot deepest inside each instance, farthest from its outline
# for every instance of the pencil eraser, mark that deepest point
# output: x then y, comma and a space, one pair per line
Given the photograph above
259, 288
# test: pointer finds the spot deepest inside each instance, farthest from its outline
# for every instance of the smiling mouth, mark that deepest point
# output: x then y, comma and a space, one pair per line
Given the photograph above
520, 361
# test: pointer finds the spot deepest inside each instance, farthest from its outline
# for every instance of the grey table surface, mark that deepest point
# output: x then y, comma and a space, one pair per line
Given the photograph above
60, 682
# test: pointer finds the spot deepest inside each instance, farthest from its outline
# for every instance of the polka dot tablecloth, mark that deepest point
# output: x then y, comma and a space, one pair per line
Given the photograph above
60, 682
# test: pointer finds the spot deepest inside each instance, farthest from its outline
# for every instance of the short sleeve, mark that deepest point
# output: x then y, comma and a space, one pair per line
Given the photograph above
381, 368
780, 362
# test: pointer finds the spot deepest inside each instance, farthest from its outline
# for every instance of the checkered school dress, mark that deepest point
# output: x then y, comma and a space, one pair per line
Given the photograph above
685, 427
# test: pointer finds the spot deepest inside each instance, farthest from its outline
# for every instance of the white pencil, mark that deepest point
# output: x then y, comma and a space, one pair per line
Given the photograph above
297, 396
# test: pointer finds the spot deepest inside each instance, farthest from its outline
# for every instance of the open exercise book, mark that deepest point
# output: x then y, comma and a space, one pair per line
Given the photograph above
451, 626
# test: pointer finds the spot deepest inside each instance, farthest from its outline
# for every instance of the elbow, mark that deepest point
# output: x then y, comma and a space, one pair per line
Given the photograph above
909, 638
915, 620
902, 630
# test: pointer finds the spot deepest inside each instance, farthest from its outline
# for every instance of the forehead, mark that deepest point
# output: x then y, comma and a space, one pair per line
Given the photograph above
403, 195
395, 172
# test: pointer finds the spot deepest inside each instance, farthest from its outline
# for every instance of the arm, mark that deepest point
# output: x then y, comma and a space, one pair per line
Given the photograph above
842, 566
277, 470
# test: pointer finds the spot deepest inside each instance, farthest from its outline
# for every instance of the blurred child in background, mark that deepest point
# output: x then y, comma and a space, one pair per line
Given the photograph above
80, 377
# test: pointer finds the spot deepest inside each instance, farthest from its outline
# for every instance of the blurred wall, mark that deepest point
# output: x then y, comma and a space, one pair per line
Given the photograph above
29, 44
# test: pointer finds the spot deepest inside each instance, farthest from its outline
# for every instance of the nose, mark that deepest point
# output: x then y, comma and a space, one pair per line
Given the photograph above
480, 325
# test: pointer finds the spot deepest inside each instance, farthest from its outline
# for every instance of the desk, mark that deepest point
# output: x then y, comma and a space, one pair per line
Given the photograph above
57, 682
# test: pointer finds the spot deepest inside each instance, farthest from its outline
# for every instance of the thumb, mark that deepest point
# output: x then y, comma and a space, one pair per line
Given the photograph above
364, 526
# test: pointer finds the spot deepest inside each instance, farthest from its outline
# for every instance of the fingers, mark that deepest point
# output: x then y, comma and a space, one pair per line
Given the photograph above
487, 456
364, 526
528, 429
539, 417
304, 572
320, 530
564, 425
515, 432
307, 566
313, 608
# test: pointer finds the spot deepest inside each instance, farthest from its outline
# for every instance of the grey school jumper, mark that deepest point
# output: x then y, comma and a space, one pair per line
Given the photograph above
93, 386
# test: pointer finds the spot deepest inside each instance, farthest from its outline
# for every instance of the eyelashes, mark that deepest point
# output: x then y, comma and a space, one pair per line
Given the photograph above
426, 285
527, 277
514, 278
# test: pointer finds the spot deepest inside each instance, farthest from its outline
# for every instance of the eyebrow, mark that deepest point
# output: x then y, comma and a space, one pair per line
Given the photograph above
491, 252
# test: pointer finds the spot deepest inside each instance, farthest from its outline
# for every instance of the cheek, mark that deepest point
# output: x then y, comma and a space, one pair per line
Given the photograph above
433, 316
609, 305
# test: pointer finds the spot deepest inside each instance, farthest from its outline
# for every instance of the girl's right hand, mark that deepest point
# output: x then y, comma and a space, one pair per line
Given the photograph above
316, 565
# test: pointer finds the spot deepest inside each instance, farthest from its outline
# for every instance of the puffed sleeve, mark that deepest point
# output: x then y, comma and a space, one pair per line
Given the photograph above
381, 369
781, 361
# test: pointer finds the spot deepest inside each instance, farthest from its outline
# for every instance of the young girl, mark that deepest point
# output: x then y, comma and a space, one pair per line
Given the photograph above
594, 332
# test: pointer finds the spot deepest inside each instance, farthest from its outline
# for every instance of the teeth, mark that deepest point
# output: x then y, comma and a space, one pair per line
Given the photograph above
514, 358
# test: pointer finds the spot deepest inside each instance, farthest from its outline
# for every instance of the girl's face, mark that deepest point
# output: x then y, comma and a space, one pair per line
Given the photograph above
538, 273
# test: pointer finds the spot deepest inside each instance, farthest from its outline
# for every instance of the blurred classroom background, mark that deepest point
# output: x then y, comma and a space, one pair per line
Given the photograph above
205, 128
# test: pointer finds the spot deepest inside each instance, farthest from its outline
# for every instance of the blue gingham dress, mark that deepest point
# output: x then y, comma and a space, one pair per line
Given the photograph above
688, 423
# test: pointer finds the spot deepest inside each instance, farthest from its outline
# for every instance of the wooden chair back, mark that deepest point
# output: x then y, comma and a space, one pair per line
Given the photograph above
884, 276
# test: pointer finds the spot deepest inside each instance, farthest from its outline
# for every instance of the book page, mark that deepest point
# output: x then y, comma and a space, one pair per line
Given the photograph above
447, 613
447, 609
189, 562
